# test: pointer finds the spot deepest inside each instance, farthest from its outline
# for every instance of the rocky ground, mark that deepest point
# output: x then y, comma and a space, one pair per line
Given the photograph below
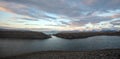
98, 54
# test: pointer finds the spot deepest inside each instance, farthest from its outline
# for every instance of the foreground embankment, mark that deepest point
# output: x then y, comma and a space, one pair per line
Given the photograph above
98, 54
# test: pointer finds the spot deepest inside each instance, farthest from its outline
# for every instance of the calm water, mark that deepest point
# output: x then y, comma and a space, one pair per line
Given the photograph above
13, 47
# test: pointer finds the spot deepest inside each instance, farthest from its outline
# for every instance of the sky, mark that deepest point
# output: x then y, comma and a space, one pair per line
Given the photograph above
60, 15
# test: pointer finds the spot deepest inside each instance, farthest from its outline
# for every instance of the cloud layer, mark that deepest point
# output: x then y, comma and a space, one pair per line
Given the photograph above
65, 13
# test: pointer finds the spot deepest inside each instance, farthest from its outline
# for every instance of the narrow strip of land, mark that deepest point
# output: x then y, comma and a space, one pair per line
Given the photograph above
23, 35
78, 35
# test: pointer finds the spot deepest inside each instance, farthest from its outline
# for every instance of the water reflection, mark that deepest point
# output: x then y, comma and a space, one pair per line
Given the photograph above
12, 47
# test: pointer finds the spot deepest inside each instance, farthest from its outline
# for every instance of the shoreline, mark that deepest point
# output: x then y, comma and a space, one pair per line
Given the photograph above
79, 35
11, 34
98, 54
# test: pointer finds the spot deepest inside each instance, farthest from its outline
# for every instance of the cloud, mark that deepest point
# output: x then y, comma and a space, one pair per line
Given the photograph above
19, 21
117, 22
116, 16
49, 17
29, 19
89, 19
65, 23
4, 9
40, 29
20, 9
33, 8
103, 4
31, 24
90, 2
68, 8
6, 27
78, 12
58, 25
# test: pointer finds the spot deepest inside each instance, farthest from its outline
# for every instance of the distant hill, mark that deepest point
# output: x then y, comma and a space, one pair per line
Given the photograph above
22, 34
77, 35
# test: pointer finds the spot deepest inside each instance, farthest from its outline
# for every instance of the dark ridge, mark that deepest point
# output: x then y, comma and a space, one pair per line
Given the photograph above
16, 34
78, 35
